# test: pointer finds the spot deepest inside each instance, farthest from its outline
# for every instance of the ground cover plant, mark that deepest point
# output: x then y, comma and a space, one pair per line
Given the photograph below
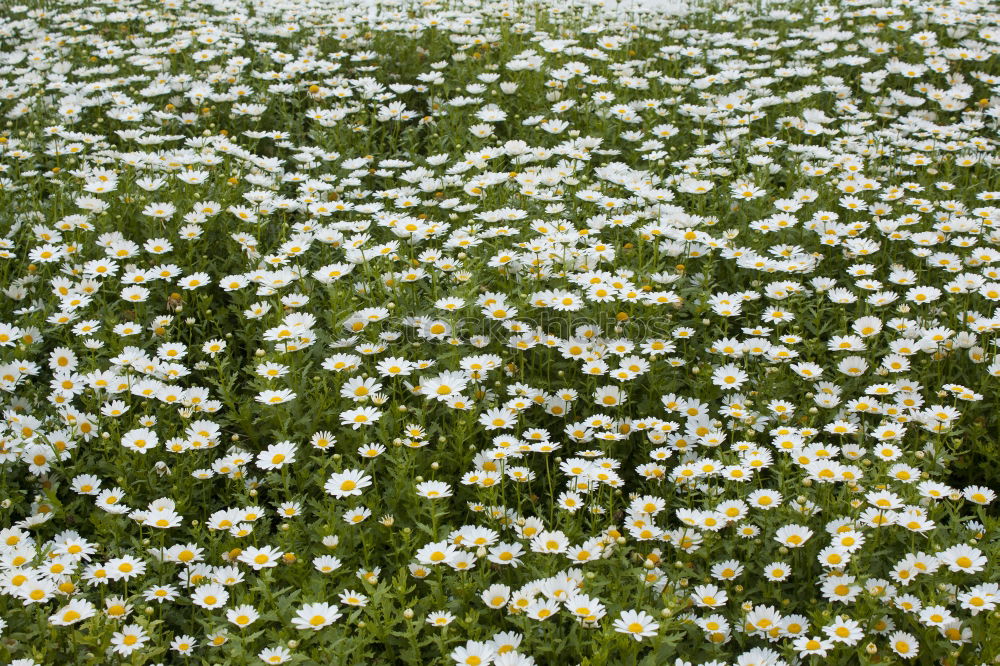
497, 332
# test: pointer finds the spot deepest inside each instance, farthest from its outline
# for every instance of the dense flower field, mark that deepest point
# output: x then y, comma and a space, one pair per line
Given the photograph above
499, 332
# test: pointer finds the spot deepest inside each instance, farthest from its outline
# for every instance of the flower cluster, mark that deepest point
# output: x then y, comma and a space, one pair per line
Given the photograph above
499, 332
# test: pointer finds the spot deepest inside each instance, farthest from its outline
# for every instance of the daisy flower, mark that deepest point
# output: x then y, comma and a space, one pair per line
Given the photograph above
315, 616
275, 397
904, 644
129, 639
274, 655
351, 482
260, 558
637, 624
